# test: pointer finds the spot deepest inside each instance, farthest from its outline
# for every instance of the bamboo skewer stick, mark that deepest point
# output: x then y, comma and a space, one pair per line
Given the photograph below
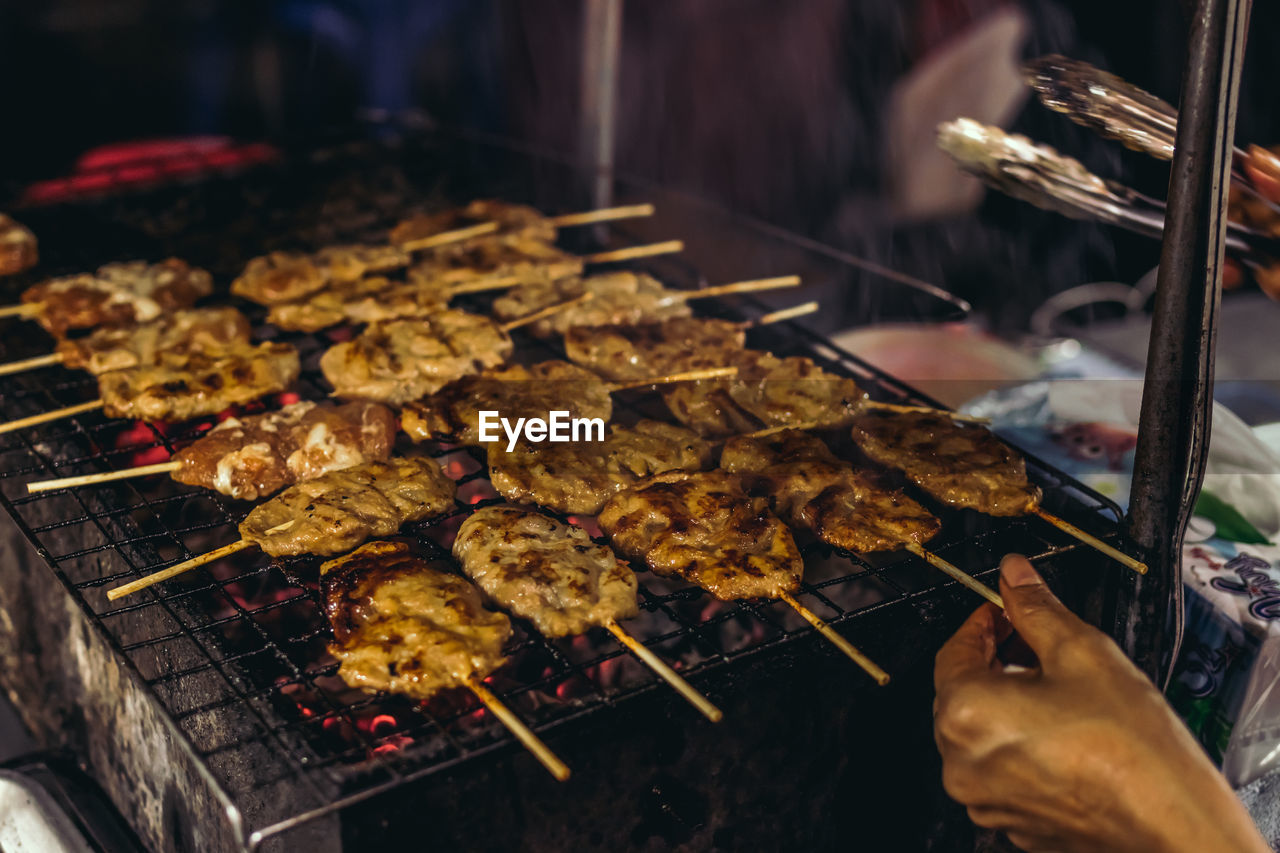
1093, 541
669, 675
781, 316
56, 414
870, 666
895, 407
103, 477
481, 285
632, 252
753, 286
195, 562
444, 238
956, 574
523, 733
545, 312
686, 376
22, 309
603, 214
30, 363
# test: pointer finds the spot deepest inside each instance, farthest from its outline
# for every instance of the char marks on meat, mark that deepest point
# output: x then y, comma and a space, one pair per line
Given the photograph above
199, 330
255, 456
619, 298
677, 345
188, 385
703, 528
963, 466
545, 571
514, 221
18, 248
337, 511
809, 487
579, 476
528, 261
404, 626
121, 294
367, 300
516, 391
283, 277
767, 392
402, 360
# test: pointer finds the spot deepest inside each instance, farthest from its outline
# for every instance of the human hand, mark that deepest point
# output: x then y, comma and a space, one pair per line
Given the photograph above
1079, 751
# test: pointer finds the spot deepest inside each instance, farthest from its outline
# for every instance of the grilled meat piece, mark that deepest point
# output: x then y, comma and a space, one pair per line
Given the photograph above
579, 476
402, 626
528, 261
337, 511
402, 360
252, 457
622, 298
547, 572
517, 391
187, 385
809, 487
962, 466
654, 349
703, 528
117, 295
367, 300
282, 277
767, 392
17, 246
198, 330
514, 221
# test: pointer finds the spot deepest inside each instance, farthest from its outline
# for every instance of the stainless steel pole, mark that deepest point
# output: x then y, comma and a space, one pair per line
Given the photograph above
601, 45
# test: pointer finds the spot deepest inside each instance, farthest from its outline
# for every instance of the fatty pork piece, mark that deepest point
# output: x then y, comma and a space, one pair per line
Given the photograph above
513, 220
400, 625
529, 261
18, 248
337, 511
545, 571
516, 391
703, 528
252, 457
962, 466
767, 392
810, 488
121, 294
677, 345
579, 476
367, 300
281, 277
621, 298
188, 385
402, 360
197, 330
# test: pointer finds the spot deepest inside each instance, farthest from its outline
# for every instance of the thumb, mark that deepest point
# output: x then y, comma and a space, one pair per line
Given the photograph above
1042, 621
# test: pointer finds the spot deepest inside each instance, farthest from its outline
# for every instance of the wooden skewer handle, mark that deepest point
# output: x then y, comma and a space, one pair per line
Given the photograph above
22, 309
604, 214
850, 650
103, 477
1093, 541
895, 407
173, 571
753, 286
30, 363
523, 733
482, 285
634, 252
444, 238
56, 414
686, 376
545, 312
669, 675
956, 574
783, 315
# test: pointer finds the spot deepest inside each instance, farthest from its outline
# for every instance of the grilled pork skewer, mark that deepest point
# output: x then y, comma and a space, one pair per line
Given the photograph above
255, 456
520, 391
204, 330
553, 575
810, 488
332, 513
185, 385
703, 528
511, 221
403, 360
963, 466
18, 249
403, 626
123, 294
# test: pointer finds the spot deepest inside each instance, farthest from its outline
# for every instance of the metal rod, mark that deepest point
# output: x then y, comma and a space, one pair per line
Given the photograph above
1173, 434
601, 44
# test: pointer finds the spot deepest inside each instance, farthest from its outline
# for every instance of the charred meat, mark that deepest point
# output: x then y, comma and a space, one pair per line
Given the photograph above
117, 295
703, 528
187, 385
254, 456
962, 466
282, 277
18, 249
402, 626
527, 261
337, 511
367, 300
618, 298
810, 488
514, 221
654, 349
198, 330
542, 570
402, 360
579, 476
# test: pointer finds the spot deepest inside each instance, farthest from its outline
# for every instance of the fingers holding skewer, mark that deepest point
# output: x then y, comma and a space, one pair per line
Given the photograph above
523, 733
666, 673
848, 648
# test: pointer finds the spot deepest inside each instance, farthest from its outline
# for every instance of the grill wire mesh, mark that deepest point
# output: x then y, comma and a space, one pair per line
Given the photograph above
235, 651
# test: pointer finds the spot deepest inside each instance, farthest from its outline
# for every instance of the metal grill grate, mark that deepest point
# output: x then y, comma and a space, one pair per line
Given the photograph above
234, 652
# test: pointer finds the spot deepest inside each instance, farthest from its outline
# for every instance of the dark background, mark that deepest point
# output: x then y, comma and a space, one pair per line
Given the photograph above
773, 107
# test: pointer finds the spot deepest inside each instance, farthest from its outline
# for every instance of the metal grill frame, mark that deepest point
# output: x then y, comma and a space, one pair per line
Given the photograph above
242, 648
